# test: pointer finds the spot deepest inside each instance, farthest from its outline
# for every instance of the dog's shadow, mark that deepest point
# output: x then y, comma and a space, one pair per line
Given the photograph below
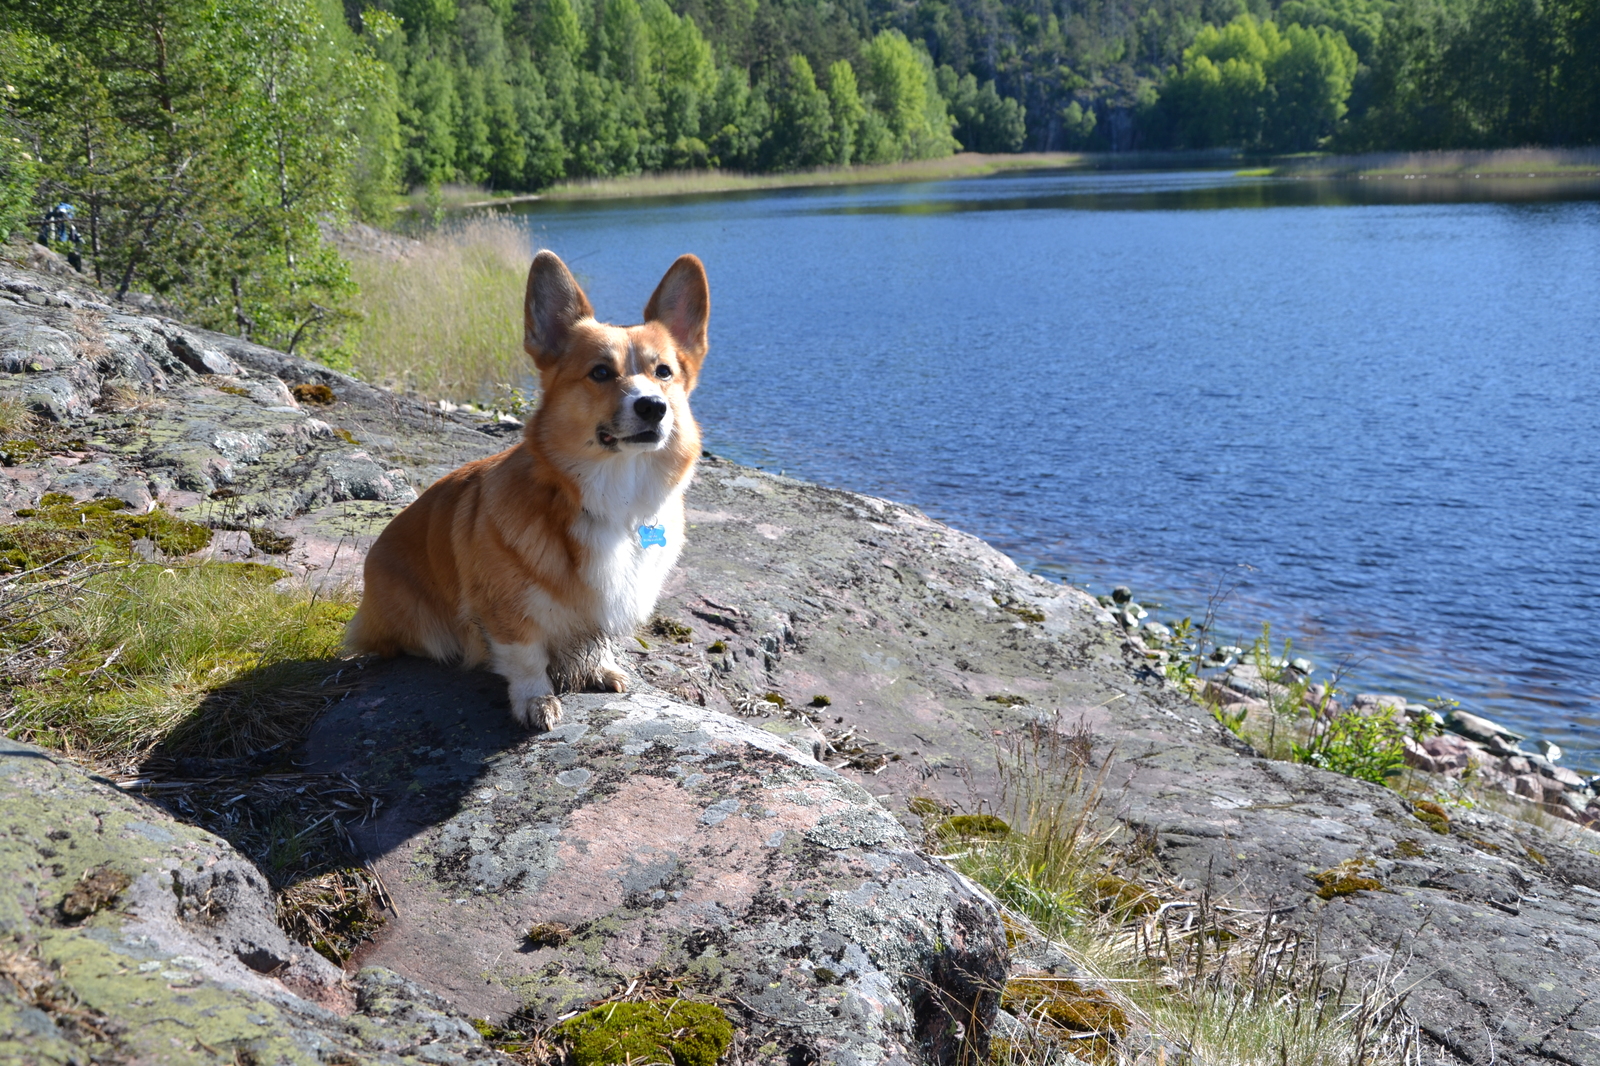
418, 735
392, 746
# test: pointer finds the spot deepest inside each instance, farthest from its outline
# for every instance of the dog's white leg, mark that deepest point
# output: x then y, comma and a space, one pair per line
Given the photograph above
526, 667
608, 676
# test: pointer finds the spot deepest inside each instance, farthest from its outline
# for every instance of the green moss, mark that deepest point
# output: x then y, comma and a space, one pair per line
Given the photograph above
255, 573
926, 807
233, 390
1068, 1005
671, 629
1409, 849
1021, 610
819, 700
717, 647
345, 435
311, 393
269, 543
1118, 895
101, 529
547, 934
1006, 699
684, 1033
13, 452
973, 825
95, 890
1347, 878
1432, 815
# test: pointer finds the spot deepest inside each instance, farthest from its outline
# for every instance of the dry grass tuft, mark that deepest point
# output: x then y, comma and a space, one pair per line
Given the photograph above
445, 320
1165, 972
16, 417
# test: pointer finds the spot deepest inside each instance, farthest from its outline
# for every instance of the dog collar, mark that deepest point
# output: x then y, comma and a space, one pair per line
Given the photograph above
653, 536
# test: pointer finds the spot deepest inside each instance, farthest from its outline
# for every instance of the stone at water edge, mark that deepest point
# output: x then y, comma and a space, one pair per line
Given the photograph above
1549, 749
1478, 728
1121, 594
645, 836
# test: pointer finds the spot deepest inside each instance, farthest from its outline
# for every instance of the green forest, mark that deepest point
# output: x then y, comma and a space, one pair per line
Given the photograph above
202, 141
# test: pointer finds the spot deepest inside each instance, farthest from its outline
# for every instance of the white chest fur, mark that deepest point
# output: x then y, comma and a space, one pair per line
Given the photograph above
625, 568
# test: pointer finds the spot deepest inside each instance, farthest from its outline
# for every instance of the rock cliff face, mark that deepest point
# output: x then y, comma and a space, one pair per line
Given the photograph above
658, 835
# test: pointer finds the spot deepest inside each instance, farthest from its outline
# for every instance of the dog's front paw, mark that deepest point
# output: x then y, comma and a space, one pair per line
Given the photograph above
538, 713
610, 679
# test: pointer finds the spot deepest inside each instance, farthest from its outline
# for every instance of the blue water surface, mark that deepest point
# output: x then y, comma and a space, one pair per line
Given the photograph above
1372, 409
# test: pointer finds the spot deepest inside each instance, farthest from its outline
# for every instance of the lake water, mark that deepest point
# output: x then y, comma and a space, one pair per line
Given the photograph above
1372, 406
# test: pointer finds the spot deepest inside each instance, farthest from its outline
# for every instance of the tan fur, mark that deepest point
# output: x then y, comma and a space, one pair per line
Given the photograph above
531, 560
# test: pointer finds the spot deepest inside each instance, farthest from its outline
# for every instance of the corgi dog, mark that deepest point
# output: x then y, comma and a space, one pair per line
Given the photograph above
532, 560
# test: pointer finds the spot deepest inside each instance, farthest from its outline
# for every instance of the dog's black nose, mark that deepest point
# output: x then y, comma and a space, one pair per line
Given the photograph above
650, 408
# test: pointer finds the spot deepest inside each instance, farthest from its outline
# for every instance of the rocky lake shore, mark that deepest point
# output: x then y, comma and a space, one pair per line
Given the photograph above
828, 673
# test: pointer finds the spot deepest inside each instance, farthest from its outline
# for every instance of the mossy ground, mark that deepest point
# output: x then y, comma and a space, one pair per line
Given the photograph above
1346, 879
676, 1031
100, 530
142, 668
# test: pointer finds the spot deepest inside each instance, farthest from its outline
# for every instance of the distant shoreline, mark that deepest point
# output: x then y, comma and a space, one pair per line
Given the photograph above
1510, 163
960, 165
1495, 163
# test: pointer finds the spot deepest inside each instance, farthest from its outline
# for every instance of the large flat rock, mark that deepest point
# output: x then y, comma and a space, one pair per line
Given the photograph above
650, 841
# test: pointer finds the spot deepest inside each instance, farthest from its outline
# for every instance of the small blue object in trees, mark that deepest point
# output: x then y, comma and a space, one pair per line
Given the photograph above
653, 536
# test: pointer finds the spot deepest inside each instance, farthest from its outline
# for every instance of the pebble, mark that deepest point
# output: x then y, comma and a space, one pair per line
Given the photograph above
1548, 749
1121, 594
1302, 667
1157, 632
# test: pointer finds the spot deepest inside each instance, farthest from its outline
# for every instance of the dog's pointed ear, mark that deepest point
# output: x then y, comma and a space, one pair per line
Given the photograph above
553, 305
682, 303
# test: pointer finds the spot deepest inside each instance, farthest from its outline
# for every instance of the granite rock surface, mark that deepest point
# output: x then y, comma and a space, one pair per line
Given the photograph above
128, 937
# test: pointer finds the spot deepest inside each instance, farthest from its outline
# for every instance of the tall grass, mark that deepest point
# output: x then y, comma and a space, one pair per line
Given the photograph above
110, 660
445, 320
1215, 981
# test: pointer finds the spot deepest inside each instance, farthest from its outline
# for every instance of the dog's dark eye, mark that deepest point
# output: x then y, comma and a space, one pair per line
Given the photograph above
663, 371
602, 373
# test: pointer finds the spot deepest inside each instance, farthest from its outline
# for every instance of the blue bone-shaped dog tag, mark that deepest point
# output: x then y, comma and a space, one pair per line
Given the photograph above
653, 536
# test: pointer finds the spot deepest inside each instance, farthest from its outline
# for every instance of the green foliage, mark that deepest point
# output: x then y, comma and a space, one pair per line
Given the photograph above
985, 121
201, 142
676, 1031
1253, 85
904, 89
1368, 746
18, 166
1485, 73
